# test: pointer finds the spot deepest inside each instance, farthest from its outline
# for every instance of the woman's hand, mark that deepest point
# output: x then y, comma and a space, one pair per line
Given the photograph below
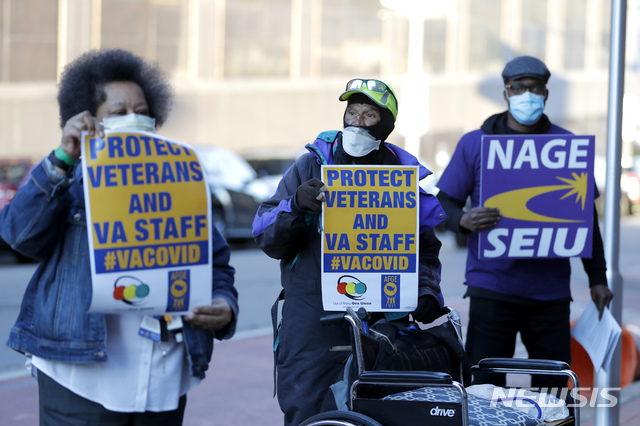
214, 317
73, 129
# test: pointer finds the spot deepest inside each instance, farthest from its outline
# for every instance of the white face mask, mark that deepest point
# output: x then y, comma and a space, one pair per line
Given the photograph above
131, 122
358, 142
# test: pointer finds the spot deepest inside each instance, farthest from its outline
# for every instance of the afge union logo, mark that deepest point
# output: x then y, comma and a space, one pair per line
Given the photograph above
391, 291
178, 297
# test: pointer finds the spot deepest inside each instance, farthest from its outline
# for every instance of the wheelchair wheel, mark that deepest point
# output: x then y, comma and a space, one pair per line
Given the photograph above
340, 418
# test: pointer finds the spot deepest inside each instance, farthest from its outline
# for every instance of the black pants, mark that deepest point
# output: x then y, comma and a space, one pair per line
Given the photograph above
544, 329
60, 406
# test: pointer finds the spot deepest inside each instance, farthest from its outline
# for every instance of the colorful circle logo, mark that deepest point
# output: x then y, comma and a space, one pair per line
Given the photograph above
130, 290
351, 287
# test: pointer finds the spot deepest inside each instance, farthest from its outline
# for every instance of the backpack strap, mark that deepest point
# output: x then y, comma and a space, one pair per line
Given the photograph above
330, 137
276, 336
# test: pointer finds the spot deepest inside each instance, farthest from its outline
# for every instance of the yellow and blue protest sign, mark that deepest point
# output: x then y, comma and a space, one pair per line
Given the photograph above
544, 188
370, 238
147, 208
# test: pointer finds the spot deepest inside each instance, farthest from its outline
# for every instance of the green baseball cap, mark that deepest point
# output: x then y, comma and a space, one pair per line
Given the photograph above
378, 91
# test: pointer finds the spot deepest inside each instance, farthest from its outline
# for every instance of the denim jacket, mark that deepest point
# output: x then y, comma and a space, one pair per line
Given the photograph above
46, 221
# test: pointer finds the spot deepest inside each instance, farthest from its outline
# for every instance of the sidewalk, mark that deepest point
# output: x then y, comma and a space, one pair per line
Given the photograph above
237, 391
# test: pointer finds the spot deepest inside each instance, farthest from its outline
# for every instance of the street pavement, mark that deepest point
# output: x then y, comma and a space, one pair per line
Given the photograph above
237, 392
238, 389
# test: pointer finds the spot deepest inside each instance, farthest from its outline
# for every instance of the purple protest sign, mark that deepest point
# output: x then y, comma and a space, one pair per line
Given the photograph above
544, 188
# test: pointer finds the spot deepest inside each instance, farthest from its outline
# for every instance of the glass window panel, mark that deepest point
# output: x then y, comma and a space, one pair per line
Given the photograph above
435, 32
257, 38
164, 22
149, 28
351, 38
124, 25
485, 46
575, 35
534, 28
32, 41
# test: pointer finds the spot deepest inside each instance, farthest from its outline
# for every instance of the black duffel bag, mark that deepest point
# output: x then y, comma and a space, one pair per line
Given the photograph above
403, 346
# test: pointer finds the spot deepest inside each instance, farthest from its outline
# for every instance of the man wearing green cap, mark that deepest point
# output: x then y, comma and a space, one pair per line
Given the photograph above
286, 228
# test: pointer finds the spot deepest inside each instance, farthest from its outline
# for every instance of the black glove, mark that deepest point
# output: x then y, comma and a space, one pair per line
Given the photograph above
428, 309
310, 195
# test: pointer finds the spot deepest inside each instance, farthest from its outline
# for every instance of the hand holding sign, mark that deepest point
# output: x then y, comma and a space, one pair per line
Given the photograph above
428, 309
310, 195
72, 132
214, 317
480, 218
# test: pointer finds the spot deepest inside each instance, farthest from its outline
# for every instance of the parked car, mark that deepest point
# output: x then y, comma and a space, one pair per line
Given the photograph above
14, 173
236, 190
271, 162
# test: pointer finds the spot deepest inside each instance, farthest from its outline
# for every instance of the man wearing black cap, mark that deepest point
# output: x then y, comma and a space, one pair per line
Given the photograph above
286, 227
496, 287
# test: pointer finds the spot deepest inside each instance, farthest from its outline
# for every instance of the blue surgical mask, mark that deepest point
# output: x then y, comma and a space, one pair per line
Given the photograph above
526, 108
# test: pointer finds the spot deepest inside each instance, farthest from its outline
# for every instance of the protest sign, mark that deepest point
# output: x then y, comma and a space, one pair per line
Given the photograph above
370, 238
147, 209
544, 188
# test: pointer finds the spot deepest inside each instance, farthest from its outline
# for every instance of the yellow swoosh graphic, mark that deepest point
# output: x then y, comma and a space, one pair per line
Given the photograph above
513, 204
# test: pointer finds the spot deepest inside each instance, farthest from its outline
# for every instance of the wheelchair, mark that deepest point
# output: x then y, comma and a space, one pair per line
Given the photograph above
406, 398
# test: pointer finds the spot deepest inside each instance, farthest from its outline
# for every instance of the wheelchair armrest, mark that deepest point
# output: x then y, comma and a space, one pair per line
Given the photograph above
408, 377
521, 364
531, 366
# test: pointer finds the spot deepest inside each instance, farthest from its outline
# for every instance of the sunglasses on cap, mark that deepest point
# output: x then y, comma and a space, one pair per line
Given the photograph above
378, 91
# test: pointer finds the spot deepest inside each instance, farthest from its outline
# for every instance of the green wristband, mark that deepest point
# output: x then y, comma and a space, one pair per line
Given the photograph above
64, 157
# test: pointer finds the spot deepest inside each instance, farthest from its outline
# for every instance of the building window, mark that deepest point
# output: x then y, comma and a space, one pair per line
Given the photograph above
29, 34
257, 38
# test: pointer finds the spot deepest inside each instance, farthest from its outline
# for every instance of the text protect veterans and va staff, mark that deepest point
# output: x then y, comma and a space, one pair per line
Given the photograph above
178, 165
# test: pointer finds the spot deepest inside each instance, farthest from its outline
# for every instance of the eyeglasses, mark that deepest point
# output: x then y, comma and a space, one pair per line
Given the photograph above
378, 89
519, 89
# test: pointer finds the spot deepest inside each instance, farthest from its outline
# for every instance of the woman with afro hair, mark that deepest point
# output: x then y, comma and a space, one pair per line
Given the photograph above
95, 369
